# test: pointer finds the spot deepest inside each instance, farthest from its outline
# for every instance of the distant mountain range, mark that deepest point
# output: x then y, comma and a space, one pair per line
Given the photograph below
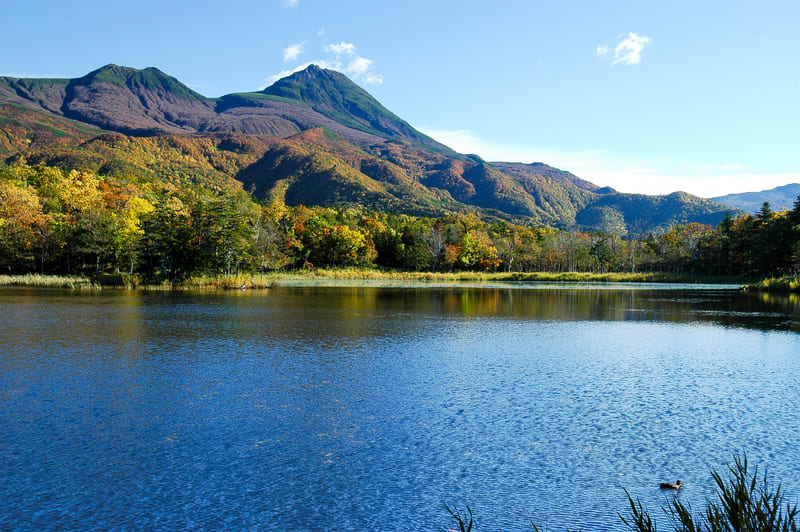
779, 198
312, 138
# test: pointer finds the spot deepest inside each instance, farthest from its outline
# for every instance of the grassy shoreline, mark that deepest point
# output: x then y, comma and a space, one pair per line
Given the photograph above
259, 281
74, 282
786, 284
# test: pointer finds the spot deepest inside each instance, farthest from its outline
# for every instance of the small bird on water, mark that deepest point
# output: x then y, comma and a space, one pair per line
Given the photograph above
671, 486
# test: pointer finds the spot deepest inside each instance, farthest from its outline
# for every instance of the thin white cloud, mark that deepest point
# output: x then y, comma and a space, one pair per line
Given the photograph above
360, 66
342, 48
290, 3
371, 78
343, 58
621, 173
320, 32
347, 61
628, 50
293, 51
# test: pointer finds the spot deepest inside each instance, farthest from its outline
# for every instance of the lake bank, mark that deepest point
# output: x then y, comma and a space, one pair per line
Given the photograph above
263, 281
785, 284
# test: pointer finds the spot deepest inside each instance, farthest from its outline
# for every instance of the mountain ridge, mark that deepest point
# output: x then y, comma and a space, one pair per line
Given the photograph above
779, 198
313, 137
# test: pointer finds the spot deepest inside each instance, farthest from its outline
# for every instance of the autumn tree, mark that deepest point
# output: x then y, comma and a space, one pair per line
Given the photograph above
24, 228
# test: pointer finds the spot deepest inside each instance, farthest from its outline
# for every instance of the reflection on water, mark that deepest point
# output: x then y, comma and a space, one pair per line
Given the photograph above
680, 304
364, 408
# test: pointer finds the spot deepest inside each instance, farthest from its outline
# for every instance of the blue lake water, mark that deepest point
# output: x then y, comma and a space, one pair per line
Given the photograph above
369, 407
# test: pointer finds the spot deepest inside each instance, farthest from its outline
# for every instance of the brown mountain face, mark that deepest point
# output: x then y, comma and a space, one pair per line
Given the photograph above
256, 114
313, 138
136, 102
149, 102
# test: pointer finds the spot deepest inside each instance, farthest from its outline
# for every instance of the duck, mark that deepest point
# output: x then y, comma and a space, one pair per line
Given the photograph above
671, 485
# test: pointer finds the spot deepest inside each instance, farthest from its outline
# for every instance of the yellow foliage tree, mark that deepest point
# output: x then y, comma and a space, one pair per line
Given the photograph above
24, 228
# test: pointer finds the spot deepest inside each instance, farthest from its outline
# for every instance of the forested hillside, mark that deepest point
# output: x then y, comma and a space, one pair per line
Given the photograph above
69, 221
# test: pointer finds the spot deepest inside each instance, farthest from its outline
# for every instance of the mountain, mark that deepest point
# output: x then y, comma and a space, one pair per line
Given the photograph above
148, 102
333, 95
313, 138
779, 198
130, 101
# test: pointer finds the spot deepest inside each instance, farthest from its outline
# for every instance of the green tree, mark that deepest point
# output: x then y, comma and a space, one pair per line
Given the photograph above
478, 251
338, 245
269, 248
224, 227
170, 247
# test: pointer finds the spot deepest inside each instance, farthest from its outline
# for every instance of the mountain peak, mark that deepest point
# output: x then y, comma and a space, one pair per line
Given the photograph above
151, 79
323, 89
334, 95
314, 68
134, 101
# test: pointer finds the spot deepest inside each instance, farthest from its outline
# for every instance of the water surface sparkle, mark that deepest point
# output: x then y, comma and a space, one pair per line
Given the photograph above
366, 408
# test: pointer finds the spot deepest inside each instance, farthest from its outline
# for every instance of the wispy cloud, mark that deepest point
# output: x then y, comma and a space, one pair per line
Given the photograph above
290, 3
628, 50
293, 51
341, 56
342, 48
347, 60
623, 173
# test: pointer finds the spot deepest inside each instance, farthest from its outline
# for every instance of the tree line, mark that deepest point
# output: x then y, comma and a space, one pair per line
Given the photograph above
55, 221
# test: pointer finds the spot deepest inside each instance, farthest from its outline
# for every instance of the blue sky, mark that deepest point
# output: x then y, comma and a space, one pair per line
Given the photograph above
645, 96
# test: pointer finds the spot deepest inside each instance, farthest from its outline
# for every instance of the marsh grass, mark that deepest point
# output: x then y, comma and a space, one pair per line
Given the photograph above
745, 503
788, 283
49, 281
580, 277
267, 280
464, 521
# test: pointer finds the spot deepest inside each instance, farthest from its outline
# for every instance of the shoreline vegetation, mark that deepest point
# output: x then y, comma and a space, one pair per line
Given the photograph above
269, 280
787, 283
83, 228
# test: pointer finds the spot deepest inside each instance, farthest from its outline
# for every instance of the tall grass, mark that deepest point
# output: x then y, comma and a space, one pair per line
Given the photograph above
465, 521
745, 503
788, 283
48, 281
586, 277
266, 280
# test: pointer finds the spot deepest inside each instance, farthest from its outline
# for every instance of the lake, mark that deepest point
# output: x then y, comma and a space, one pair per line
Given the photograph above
367, 407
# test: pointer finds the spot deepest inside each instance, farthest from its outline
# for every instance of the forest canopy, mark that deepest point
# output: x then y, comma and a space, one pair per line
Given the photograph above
56, 221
